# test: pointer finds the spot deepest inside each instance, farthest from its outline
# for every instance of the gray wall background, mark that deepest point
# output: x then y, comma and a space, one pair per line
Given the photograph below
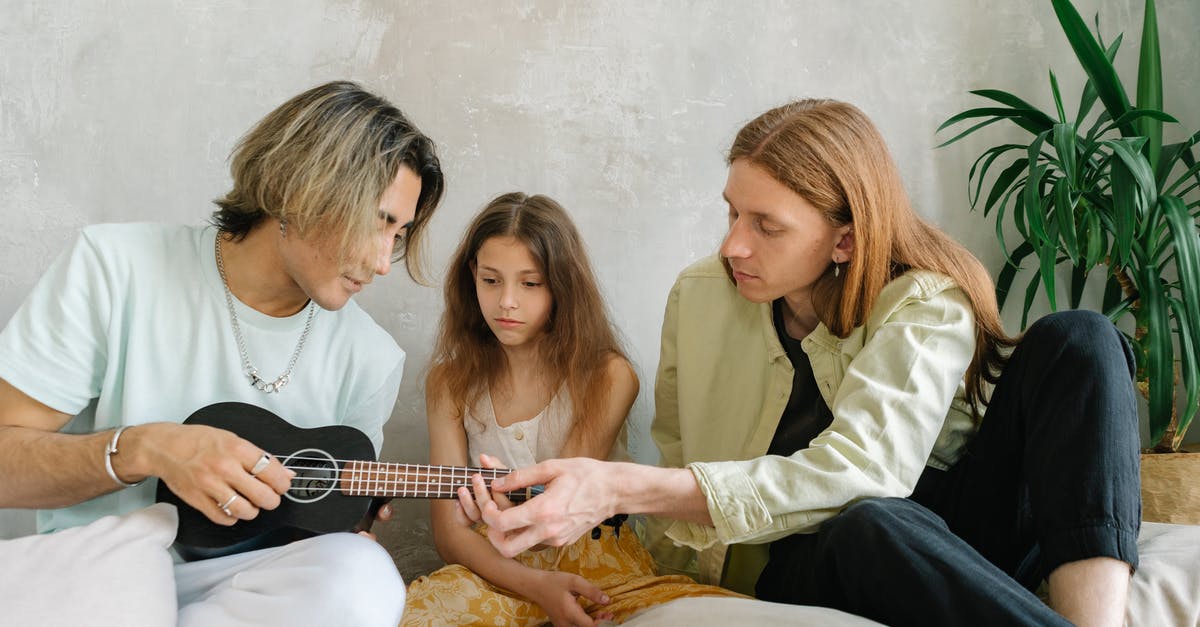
126, 111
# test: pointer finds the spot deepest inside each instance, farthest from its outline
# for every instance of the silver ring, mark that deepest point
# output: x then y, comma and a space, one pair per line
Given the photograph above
261, 464
225, 506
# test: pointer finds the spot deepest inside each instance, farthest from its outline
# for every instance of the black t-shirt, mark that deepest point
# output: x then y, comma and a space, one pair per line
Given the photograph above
806, 414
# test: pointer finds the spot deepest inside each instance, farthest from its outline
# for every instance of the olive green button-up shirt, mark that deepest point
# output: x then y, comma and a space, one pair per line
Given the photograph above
895, 387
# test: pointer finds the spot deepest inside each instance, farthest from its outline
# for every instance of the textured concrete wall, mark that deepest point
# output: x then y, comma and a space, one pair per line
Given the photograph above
126, 110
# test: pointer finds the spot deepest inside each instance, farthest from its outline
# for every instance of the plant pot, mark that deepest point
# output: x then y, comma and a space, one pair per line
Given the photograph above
1171, 488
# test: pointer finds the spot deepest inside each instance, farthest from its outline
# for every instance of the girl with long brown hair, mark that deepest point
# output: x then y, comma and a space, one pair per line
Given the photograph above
527, 367
843, 421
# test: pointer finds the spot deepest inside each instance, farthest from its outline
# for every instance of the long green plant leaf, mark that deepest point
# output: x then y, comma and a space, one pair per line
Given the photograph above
1139, 114
1136, 195
1003, 181
1036, 205
996, 113
988, 157
1030, 292
1009, 272
1149, 85
1048, 262
1188, 365
1159, 352
1131, 117
1119, 309
1091, 56
1035, 123
1185, 237
1173, 153
1103, 209
970, 130
1185, 155
1194, 170
1063, 138
1113, 294
1095, 233
1079, 275
1019, 213
1033, 204
1125, 218
1006, 98
1058, 105
1100, 126
1064, 216
1089, 89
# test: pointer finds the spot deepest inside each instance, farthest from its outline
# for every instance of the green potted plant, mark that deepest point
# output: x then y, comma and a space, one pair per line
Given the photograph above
1100, 192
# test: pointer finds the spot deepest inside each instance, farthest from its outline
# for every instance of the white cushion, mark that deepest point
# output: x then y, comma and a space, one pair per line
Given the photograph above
1165, 590
114, 571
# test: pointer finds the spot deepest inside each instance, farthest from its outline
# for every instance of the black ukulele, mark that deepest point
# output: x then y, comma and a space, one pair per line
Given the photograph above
338, 484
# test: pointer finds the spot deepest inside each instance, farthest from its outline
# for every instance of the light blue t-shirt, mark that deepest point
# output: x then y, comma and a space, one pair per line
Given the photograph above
130, 325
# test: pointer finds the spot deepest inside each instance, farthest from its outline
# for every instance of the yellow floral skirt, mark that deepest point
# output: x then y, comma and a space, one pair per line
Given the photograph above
616, 562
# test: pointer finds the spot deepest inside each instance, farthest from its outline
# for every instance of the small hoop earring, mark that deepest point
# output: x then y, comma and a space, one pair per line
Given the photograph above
837, 269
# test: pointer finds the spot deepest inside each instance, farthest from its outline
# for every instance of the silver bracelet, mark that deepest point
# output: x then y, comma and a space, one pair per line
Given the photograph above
111, 449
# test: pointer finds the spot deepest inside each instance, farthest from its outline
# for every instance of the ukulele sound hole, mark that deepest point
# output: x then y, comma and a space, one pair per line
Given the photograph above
316, 475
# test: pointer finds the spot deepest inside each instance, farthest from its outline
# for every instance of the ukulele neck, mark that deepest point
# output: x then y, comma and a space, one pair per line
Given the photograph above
417, 481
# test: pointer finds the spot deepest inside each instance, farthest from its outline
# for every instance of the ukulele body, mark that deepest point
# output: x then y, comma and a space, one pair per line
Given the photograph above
315, 504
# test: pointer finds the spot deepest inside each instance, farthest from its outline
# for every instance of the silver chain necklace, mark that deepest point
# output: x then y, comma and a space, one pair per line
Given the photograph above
248, 369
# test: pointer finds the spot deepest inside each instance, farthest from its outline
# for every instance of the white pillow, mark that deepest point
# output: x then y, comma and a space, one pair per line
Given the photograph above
114, 571
1165, 590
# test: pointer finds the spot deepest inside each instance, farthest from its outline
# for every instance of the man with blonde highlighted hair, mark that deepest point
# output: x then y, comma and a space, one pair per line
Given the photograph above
136, 326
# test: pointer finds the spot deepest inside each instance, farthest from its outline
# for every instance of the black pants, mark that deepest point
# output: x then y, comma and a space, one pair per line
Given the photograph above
1051, 477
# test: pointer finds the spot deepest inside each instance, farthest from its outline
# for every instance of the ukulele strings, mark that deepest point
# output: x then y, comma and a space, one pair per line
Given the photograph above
436, 480
416, 478
346, 462
402, 486
409, 488
374, 463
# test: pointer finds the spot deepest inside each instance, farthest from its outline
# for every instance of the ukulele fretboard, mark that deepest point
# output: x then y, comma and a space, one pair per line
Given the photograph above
418, 481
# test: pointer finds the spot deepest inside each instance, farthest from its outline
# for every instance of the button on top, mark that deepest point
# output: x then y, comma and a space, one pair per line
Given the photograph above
520, 435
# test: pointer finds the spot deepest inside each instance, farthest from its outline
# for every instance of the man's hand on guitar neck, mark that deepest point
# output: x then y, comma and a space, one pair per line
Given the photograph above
470, 499
554, 521
211, 469
579, 493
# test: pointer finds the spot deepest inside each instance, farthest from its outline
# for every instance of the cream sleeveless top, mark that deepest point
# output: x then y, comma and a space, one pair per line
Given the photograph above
527, 442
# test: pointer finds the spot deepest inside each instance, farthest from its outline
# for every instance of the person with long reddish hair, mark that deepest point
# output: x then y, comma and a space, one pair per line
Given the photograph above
528, 367
844, 422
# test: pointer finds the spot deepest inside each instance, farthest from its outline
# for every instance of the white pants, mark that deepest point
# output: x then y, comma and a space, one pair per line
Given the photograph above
336, 579
116, 572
